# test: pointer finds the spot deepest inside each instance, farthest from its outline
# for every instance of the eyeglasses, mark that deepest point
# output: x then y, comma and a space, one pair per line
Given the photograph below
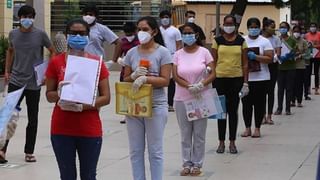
81, 33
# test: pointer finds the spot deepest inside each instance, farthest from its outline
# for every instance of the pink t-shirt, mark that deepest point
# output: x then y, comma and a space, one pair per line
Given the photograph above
190, 67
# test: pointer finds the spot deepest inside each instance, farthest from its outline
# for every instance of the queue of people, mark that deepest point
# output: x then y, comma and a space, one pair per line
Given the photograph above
245, 68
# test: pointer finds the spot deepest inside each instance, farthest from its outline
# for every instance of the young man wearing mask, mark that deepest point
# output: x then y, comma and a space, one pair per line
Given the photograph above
173, 42
26, 50
314, 37
99, 34
190, 18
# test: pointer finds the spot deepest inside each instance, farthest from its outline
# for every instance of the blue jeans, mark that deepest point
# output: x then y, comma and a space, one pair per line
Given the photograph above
151, 130
65, 149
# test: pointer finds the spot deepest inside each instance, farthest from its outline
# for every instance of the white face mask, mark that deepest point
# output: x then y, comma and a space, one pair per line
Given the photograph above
191, 20
297, 35
144, 37
89, 19
313, 29
229, 29
130, 38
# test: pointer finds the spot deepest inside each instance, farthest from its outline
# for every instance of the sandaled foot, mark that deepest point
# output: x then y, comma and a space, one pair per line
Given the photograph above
293, 104
269, 121
233, 149
264, 120
246, 133
299, 105
30, 158
196, 171
3, 159
278, 112
220, 149
256, 134
185, 171
288, 113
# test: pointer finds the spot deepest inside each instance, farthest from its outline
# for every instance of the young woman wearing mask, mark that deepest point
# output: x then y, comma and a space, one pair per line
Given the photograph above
302, 48
287, 70
75, 128
151, 129
258, 79
231, 64
190, 65
268, 31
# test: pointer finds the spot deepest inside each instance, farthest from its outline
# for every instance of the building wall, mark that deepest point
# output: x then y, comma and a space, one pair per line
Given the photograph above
6, 18
206, 15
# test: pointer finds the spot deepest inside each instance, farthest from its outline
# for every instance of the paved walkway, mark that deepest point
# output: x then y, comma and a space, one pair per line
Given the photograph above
287, 150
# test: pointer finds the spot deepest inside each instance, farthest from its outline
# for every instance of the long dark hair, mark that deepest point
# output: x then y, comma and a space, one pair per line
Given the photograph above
152, 22
77, 21
195, 30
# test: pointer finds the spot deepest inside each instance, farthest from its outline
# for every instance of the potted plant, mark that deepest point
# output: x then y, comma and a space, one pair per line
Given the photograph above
4, 44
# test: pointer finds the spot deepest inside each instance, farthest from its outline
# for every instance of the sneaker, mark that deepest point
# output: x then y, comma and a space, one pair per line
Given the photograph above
307, 98
171, 109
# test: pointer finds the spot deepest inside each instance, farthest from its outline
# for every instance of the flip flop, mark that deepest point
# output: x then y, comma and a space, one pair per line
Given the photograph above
30, 158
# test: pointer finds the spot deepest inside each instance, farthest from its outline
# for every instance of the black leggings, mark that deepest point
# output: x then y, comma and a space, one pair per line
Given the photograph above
273, 68
307, 80
255, 100
32, 101
171, 91
285, 85
316, 64
230, 87
298, 88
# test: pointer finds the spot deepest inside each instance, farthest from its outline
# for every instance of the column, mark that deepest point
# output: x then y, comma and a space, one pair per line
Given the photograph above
6, 17
43, 14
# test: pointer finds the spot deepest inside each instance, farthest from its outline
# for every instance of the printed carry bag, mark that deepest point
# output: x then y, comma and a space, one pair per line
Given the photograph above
208, 104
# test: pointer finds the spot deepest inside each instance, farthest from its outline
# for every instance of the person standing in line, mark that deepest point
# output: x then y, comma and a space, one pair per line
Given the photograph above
258, 78
268, 31
302, 50
172, 40
308, 71
231, 64
26, 50
314, 37
99, 34
190, 17
76, 128
148, 130
129, 41
189, 65
287, 69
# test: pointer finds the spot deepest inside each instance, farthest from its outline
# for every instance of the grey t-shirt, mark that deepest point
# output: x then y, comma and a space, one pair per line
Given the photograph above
98, 35
28, 52
158, 58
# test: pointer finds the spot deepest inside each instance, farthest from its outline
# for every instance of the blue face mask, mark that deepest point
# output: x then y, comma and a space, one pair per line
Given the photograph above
77, 42
26, 22
189, 39
254, 31
283, 31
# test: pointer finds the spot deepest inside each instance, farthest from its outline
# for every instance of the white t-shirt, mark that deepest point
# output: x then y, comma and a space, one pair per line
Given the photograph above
98, 35
170, 36
264, 45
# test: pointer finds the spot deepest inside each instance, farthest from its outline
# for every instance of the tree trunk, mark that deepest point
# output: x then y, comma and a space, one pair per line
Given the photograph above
238, 10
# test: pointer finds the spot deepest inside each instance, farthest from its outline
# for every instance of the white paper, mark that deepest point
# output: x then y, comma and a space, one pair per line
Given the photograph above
8, 106
315, 51
83, 73
40, 71
284, 49
203, 107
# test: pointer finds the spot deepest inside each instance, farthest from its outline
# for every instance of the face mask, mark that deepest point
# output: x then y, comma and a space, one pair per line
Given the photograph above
144, 37
89, 19
165, 21
254, 31
26, 22
191, 20
229, 29
189, 39
313, 29
130, 38
283, 31
77, 42
297, 35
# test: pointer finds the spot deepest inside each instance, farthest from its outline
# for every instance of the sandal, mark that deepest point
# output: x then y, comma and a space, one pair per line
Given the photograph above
278, 112
269, 121
233, 150
220, 149
30, 158
185, 171
3, 159
195, 171
246, 134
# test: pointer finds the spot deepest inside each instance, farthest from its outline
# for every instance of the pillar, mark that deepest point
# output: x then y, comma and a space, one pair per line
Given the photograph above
6, 17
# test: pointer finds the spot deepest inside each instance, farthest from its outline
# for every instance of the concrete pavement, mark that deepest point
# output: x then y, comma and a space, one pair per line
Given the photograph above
287, 150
